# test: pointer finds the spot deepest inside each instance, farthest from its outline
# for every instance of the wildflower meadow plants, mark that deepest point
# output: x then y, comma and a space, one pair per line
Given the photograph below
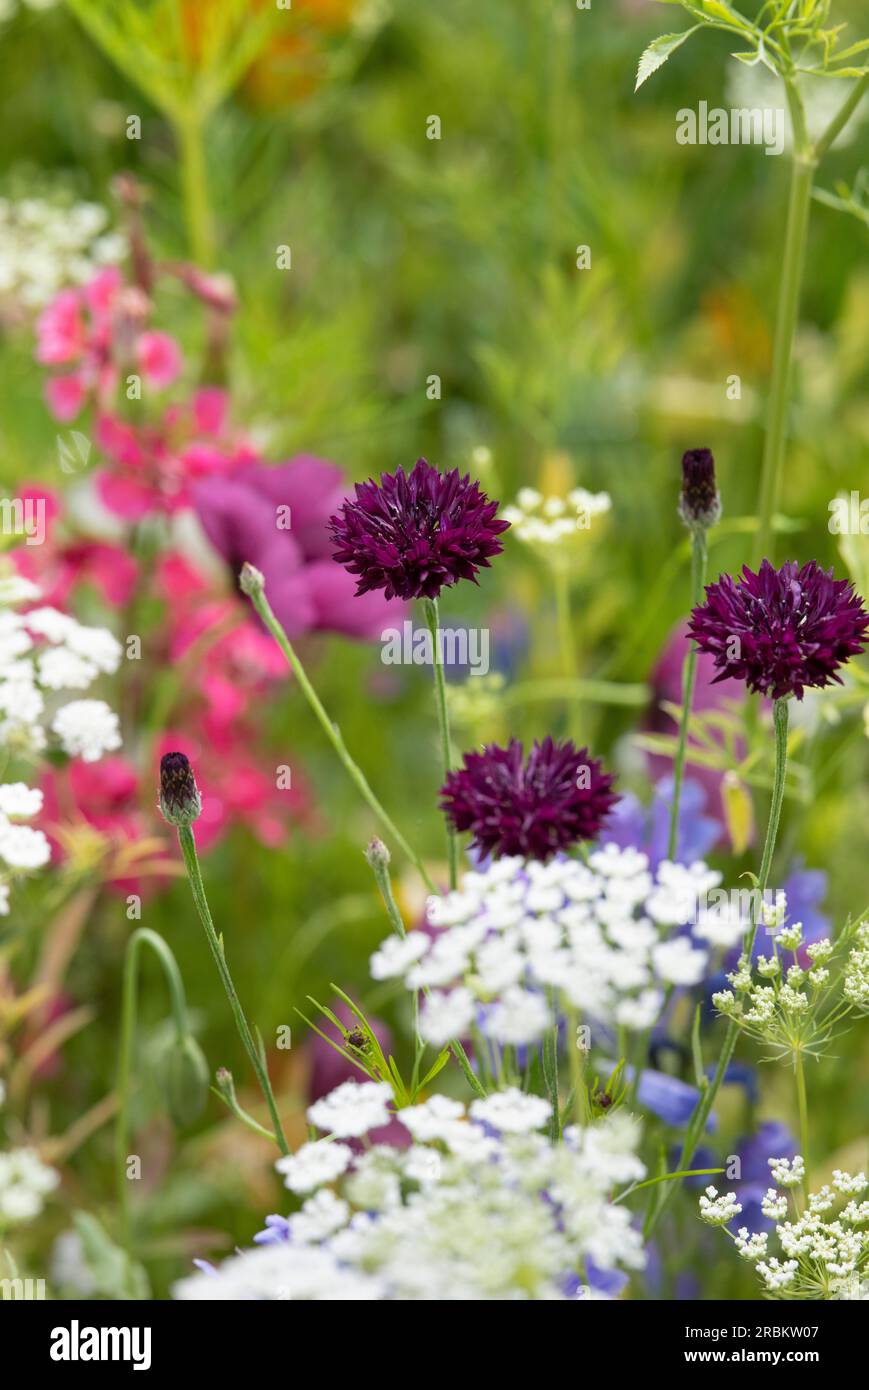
512, 994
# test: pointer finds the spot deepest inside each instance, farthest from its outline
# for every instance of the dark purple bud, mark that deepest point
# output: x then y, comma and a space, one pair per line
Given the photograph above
180, 802
700, 502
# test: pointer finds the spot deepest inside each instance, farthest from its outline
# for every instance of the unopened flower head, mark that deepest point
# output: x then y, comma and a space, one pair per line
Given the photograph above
180, 802
700, 502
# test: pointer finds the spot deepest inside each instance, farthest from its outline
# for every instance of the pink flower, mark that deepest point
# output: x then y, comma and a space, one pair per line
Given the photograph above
65, 396
101, 329
60, 330
160, 358
276, 518
59, 566
154, 467
106, 796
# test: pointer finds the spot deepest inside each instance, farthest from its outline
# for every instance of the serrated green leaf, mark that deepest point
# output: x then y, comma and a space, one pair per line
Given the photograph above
657, 53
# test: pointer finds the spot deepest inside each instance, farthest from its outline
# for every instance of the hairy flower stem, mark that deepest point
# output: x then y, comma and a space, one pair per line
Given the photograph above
697, 1124
803, 1110
550, 1067
689, 676
806, 158
332, 732
191, 862
432, 617
141, 937
381, 875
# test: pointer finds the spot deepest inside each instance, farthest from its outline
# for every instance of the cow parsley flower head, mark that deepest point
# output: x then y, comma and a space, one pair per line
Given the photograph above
481, 1207
609, 937
413, 534
352, 1109
510, 805
87, 729
25, 1182
781, 630
314, 1164
825, 1251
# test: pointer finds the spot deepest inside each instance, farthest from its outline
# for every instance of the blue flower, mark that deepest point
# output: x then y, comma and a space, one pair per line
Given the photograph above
647, 828
276, 1232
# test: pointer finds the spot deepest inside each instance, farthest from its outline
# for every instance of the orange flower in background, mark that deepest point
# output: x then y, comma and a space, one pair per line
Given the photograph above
291, 65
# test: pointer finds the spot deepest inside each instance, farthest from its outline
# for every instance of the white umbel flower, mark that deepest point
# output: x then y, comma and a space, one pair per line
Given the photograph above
313, 1165
87, 729
352, 1109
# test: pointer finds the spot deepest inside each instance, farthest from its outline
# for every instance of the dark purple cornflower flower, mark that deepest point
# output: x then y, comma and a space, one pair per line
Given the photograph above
412, 535
534, 808
700, 502
780, 630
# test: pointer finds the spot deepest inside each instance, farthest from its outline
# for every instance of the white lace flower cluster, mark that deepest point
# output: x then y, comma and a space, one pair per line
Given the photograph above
549, 521
47, 243
607, 935
25, 1181
855, 985
481, 1206
42, 653
790, 1006
824, 1257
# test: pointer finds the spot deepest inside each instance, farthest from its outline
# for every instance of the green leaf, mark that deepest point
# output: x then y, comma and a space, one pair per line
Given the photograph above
697, 1051
658, 52
433, 1070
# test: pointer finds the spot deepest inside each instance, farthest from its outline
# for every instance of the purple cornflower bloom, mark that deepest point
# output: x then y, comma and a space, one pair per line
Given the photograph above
414, 534
781, 630
535, 808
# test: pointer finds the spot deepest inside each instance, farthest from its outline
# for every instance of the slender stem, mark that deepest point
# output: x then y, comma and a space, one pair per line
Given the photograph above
381, 874
550, 1067
689, 677
432, 617
802, 1107
141, 937
702, 1110
194, 183
842, 116
790, 286
188, 849
577, 1068
332, 732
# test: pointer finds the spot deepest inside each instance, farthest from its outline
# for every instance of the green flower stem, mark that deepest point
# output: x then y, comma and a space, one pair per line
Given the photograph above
803, 1109
380, 870
191, 862
689, 676
698, 1120
194, 182
806, 158
550, 1067
141, 937
432, 618
577, 1068
332, 732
